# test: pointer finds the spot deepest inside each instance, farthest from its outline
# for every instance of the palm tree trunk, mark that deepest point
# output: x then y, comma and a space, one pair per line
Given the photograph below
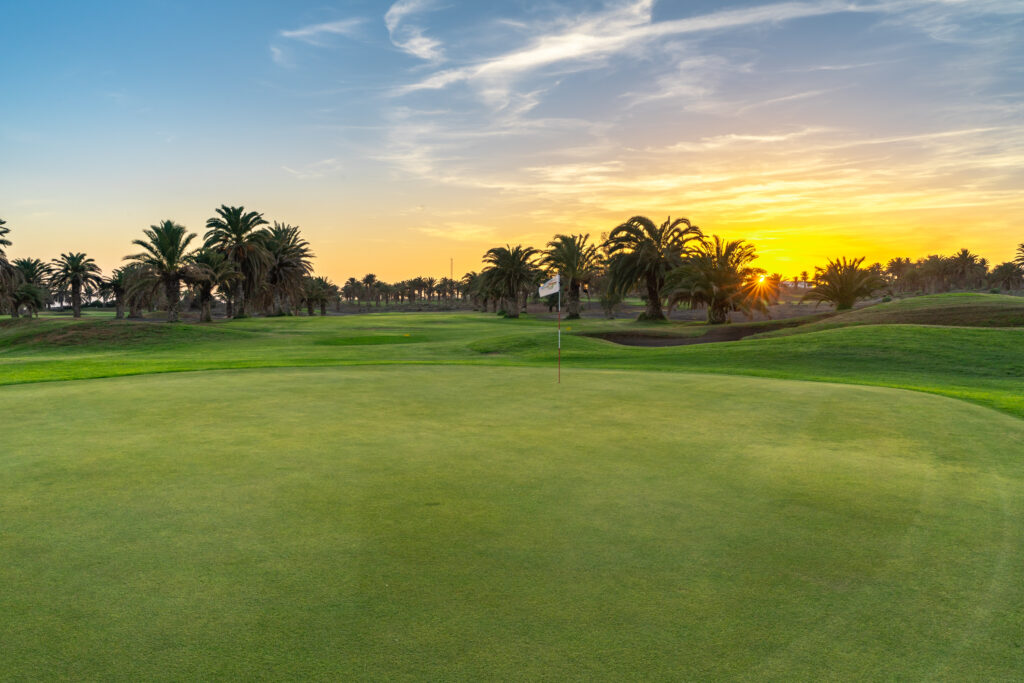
173, 291
511, 306
229, 306
309, 308
205, 308
76, 300
240, 298
718, 315
574, 300
119, 306
323, 307
653, 311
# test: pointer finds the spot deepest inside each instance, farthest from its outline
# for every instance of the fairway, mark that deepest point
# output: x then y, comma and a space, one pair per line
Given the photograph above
437, 522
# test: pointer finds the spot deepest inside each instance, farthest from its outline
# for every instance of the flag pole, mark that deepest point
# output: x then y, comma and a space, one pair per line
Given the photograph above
559, 329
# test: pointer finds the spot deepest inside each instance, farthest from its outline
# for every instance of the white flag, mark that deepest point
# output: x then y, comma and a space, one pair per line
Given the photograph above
551, 286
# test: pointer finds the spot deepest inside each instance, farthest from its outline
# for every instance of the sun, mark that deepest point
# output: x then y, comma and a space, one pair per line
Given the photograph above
761, 279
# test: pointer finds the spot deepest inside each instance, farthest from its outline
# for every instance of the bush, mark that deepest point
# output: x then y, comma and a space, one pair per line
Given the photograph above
994, 290
886, 299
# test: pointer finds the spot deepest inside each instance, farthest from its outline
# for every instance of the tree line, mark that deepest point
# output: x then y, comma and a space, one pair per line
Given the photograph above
254, 266
676, 264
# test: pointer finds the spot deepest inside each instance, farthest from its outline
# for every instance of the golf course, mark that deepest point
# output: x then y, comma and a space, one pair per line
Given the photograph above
413, 496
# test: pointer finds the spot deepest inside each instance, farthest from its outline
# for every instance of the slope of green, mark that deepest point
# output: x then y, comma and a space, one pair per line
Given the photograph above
966, 309
981, 365
428, 522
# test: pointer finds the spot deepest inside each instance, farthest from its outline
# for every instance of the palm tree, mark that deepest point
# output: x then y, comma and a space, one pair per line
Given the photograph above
416, 287
1018, 259
577, 261
210, 268
446, 289
8, 281
287, 266
30, 296
317, 291
511, 272
935, 272
967, 268
29, 287
719, 277
33, 271
8, 273
429, 287
116, 287
4, 242
140, 291
165, 260
844, 282
483, 289
331, 293
642, 254
369, 290
78, 273
1007, 275
236, 233
899, 270
350, 290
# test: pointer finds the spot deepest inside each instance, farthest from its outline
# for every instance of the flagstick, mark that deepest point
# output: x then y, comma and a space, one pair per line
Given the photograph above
559, 331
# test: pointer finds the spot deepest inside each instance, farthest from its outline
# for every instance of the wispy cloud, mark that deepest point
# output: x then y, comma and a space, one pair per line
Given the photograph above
314, 33
410, 38
315, 170
804, 95
597, 36
460, 232
279, 56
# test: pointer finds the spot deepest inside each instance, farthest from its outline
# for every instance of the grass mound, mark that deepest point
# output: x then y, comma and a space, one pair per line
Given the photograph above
481, 523
960, 310
54, 332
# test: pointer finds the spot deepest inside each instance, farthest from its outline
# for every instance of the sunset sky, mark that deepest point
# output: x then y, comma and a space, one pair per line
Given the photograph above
401, 134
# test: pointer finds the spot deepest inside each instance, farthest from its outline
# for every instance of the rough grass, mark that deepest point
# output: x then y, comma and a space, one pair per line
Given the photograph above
431, 522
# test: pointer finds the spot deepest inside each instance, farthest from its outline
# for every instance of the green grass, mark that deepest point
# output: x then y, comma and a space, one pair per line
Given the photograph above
966, 309
483, 523
403, 496
982, 365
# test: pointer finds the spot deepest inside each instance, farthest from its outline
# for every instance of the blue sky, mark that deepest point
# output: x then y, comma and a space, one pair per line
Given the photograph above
399, 134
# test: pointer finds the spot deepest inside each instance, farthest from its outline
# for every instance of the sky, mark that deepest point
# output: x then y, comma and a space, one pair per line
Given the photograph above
406, 138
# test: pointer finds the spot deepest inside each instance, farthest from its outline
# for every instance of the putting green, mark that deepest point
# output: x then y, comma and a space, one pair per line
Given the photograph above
473, 522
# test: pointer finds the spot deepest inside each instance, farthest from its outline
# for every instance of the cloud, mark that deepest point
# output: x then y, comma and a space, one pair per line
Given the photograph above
500, 141
278, 56
693, 80
595, 37
315, 170
461, 232
806, 94
410, 38
314, 33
